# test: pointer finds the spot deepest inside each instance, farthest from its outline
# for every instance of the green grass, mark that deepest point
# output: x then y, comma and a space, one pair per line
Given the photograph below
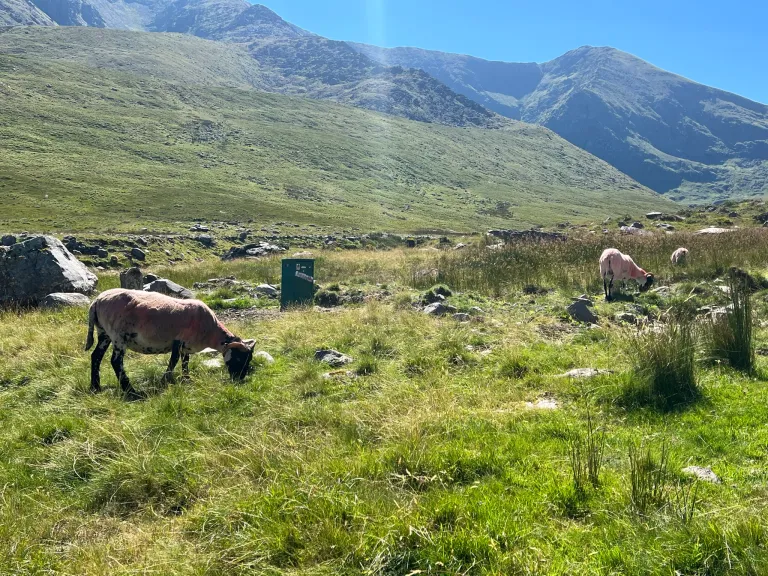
90, 148
426, 457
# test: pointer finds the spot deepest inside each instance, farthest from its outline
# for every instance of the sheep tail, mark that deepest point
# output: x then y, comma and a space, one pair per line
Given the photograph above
91, 325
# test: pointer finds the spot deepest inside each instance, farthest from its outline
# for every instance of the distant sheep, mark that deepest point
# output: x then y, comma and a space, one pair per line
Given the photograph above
620, 266
153, 323
679, 256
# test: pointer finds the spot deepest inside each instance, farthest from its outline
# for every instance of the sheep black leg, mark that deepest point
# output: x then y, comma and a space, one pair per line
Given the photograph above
122, 377
185, 366
96, 357
610, 289
175, 354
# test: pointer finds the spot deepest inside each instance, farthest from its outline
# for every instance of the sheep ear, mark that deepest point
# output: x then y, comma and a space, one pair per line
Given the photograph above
250, 343
227, 356
238, 346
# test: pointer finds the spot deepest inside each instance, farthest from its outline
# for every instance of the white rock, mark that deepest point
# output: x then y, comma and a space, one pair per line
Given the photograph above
702, 473
265, 356
213, 363
543, 404
584, 373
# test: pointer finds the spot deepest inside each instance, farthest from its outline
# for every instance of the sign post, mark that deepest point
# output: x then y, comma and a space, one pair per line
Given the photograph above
297, 286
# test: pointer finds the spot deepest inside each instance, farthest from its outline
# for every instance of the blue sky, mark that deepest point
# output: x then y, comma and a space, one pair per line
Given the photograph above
722, 44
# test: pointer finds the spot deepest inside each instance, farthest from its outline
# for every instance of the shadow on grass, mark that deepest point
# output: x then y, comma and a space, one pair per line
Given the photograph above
622, 297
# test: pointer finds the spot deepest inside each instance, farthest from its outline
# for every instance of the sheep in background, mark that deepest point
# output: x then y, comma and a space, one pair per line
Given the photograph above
679, 256
620, 266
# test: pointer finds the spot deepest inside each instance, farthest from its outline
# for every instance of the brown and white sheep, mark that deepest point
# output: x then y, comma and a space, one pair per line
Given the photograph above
620, 266
153, 323
679, 256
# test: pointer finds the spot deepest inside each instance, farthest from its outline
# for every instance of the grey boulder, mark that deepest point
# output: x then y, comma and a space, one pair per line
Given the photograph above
169, 288
138, 254
266, 290
39, 266
65, 300
132, 279
438, 309
333, 358
579, 310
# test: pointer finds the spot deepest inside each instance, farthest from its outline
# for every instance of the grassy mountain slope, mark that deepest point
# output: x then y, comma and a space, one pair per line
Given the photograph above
118, 150
299, 62
173, 57
667, 132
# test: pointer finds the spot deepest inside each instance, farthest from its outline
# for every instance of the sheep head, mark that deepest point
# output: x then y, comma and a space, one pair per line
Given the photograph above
648, 283
238, 358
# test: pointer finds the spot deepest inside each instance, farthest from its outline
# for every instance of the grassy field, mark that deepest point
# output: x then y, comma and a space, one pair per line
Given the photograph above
110, 136
439, 451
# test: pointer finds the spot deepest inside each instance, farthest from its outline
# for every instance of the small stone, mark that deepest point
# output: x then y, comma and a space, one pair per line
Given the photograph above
149, 278
653, 215
626, 317
113, 261
584, 373
714, 230
702, 473
101, 253
476, 311
459, 246
138, 254
265, 357
461, 317
543, 404
8, 240
333, 358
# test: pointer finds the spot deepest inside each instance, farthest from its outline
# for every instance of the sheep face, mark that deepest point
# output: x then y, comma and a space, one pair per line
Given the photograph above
648, 283
238, 358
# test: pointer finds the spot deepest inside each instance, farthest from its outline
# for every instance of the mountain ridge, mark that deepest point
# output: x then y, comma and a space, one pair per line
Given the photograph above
666, 131
127, 127
689, 141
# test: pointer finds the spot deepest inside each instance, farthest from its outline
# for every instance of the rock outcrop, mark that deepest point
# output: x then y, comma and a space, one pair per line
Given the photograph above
39, 266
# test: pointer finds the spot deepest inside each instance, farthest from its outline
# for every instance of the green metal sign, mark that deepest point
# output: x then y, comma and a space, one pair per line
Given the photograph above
297, 286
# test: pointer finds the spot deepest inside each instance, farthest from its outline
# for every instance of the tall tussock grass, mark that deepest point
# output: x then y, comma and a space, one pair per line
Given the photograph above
664, 365
648, 477
573, 264
730, 337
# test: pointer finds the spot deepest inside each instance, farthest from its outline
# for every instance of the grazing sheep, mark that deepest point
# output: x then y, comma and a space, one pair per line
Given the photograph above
679, 256
621, 267
153, 323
